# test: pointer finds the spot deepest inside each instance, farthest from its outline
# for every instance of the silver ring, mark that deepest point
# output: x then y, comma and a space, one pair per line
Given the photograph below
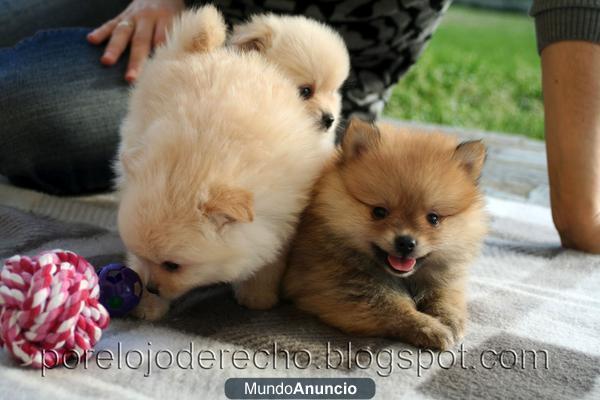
127, 23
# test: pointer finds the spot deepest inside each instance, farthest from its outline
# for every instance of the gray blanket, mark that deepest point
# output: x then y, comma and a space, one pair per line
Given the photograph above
533, 331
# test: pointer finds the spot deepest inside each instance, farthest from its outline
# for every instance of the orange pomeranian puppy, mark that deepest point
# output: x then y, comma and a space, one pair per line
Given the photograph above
384, 247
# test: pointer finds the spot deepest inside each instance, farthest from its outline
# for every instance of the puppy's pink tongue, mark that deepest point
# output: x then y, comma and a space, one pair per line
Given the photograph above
402, 264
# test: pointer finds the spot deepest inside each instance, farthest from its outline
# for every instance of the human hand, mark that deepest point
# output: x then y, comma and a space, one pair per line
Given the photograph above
143, 24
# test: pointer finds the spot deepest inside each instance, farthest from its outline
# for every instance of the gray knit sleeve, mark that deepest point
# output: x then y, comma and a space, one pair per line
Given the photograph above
557, 20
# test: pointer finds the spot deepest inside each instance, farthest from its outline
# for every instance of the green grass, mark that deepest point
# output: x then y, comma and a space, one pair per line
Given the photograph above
480, 70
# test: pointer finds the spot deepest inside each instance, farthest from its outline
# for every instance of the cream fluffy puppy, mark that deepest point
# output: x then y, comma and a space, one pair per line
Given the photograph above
217, 159
311, 54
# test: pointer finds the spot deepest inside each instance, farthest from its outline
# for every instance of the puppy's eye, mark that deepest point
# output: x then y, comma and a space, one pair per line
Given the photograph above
306, 92
433, 219
170, 266
380, 212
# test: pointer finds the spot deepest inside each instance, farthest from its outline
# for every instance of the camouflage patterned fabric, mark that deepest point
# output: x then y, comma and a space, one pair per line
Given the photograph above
384, 38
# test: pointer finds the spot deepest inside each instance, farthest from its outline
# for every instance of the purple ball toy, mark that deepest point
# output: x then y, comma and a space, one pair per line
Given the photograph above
120, 289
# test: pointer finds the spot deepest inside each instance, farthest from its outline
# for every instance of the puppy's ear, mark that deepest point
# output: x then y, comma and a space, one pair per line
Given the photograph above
255, 35
197, 31
471, 155
227, 205
360, 136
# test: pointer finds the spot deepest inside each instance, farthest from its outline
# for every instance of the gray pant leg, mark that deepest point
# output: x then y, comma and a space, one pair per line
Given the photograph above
22, 18
60, 111
566, 20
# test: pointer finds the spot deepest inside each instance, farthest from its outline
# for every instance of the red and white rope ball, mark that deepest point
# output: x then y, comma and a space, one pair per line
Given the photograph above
49, 306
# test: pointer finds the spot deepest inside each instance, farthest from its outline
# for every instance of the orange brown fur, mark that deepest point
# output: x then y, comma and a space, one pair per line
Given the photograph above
334, 271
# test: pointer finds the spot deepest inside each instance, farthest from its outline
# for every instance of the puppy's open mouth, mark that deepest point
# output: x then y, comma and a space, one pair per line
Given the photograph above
397, 265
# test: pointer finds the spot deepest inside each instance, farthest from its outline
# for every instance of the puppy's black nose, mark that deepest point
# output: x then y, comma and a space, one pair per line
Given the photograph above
152, 289
327, 120
405, 245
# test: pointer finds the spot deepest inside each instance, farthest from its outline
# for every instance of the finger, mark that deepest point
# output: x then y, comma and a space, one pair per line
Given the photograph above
141, 43
101, 33
160, 31
117, 44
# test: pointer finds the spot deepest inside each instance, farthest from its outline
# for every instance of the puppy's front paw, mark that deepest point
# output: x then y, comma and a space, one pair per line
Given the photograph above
249, 296
151, 307
456, 323
435, 336
454, 318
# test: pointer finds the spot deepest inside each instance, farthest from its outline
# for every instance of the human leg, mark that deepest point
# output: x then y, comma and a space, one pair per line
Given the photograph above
572, 119
568, 33
60, 113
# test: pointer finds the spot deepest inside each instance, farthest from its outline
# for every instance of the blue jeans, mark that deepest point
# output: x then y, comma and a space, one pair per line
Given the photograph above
60, 109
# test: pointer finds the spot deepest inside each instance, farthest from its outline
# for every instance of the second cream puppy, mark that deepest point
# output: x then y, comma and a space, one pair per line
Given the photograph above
308, 52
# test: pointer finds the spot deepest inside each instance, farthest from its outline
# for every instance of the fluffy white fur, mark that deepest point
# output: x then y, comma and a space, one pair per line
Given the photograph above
217, 159
310, 53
